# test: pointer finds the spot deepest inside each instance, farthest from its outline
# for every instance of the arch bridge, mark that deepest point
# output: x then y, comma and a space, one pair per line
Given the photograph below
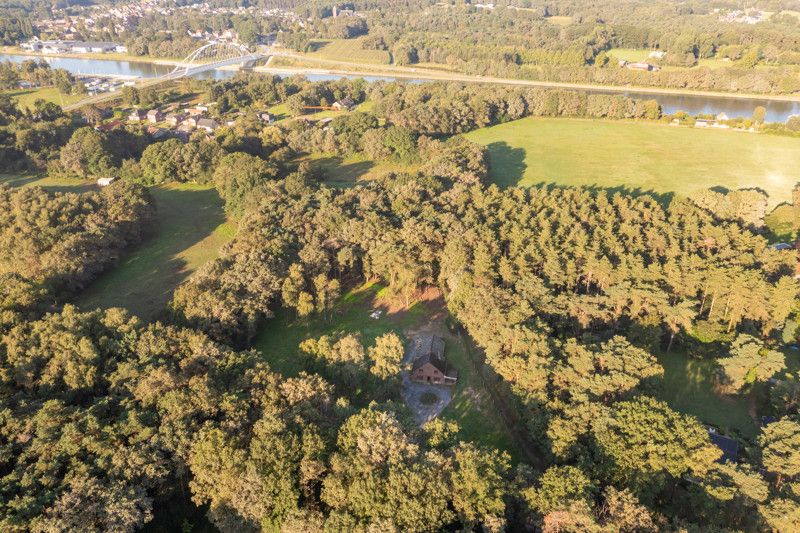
212, 56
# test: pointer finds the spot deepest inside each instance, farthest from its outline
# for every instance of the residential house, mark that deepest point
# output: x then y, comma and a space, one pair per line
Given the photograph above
429, 364
137, 115
729, 446
105, 182
266, 117
155, 115
207, 124
345, 104
176, 118
109, 126
157, 133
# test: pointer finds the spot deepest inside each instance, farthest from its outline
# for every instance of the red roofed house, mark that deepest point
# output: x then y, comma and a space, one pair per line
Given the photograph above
429, 364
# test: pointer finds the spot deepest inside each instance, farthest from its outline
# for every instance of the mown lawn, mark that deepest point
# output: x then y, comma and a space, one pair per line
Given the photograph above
190, 228
638, 156
688, 387
281, 335
348, 50
32, 179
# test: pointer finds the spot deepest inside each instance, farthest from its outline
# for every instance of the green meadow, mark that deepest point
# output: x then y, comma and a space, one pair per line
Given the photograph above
189, 230
639, 156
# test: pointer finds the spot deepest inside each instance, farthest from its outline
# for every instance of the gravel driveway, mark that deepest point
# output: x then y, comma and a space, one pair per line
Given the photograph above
412, 392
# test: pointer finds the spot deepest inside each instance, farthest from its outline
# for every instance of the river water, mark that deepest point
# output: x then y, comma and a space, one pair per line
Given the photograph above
777, 111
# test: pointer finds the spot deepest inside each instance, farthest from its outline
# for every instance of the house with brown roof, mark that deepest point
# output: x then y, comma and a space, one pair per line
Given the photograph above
429, 364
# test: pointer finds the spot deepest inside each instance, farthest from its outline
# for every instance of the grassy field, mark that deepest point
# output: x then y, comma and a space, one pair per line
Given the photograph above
348, 50
471, 407
190, 228
345, 171
638, 156
559, 20
630, 54
688, 387
51, 184
26, 97
189, 231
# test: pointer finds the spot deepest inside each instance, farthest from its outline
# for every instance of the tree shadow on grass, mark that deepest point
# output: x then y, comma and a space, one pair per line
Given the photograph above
506, 163
145, 277
663, 198
333, 171
14, 180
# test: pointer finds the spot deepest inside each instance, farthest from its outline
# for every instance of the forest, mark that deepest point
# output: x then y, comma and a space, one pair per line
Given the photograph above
571, 296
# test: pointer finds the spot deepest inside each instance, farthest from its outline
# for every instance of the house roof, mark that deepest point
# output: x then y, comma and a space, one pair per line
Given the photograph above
429, 349
207, 123
729, 447
438, 362
428, 343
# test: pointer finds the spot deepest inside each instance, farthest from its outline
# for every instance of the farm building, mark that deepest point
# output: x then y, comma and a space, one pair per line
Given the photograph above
429, 364
175, 118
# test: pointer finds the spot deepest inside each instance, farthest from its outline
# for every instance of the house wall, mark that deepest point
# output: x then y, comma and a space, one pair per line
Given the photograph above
428, 374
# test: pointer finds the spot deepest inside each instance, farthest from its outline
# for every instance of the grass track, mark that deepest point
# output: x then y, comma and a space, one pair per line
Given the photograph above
638, 156
190, 229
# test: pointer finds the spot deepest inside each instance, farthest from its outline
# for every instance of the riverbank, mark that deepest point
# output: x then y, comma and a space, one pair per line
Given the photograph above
111, 56
314, 65
346, 68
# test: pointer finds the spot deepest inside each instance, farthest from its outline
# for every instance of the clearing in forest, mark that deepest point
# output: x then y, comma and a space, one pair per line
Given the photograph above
189, 230
639, 157
689, 387
472, 406
348, 50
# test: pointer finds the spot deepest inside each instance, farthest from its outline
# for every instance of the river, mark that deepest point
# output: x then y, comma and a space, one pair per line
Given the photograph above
777, 111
